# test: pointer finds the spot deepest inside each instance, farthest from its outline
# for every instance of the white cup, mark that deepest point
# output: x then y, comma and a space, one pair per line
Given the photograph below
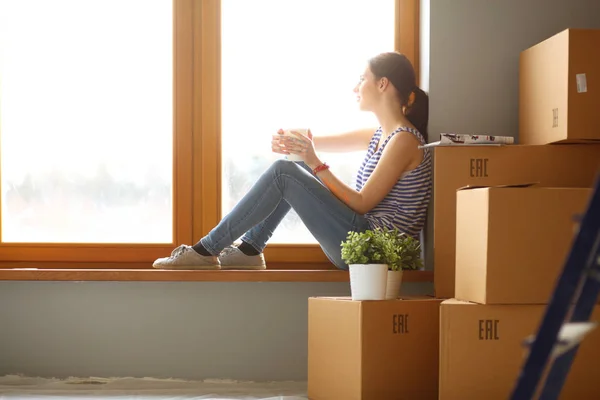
288, 132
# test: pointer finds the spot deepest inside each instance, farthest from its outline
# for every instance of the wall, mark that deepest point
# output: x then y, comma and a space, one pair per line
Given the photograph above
474, 57
188, 330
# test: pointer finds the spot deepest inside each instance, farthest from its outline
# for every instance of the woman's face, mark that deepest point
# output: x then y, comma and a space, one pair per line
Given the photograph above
366, 91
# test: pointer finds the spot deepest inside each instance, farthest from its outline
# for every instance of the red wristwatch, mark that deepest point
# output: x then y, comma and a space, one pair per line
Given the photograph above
320, 168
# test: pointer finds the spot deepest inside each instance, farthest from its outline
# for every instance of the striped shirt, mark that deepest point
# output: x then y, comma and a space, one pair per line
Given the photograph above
405, 206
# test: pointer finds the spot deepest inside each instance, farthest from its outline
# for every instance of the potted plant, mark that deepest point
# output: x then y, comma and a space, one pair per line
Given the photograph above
377, 259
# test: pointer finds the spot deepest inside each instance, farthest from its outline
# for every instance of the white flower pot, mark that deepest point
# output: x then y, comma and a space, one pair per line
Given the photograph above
368, 281
394, 281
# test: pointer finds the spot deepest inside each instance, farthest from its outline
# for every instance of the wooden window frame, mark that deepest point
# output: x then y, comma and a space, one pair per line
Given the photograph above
45, 254
197, 175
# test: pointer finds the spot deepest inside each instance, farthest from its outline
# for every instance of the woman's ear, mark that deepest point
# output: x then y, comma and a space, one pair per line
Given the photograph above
383, 83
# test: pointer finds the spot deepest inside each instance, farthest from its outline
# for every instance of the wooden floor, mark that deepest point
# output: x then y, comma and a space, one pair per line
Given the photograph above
16, 387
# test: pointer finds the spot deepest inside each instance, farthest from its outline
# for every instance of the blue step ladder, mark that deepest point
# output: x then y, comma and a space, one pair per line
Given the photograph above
567, 317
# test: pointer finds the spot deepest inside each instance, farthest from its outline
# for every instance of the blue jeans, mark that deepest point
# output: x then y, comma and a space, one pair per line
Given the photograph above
283, 185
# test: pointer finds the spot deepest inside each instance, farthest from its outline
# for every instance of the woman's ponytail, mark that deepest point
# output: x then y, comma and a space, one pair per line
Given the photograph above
418, 112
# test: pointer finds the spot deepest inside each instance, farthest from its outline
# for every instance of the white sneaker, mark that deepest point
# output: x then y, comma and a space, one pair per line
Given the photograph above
232, 258
185, 257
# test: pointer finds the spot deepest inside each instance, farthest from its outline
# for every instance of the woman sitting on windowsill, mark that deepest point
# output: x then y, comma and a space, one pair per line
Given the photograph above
393, 185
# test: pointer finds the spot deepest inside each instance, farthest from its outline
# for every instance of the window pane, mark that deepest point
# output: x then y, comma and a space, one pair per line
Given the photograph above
86, 101
288, 64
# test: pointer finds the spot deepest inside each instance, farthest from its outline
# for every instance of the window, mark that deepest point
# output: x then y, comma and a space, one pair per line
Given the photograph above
294, 64
88, 145
290, 64
119, 144
87, 141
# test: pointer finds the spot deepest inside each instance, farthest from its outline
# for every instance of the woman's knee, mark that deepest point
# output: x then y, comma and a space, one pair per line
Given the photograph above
283, 166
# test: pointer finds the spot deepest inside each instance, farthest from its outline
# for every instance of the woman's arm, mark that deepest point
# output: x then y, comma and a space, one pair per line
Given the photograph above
356, 140
401, 154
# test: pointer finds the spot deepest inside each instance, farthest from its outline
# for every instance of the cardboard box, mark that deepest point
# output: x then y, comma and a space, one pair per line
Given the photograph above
481, 353
559, 91
373, 350
512, 242
574, 165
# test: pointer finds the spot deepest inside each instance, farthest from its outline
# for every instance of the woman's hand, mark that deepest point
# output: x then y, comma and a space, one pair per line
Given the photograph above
298, 144
276, 143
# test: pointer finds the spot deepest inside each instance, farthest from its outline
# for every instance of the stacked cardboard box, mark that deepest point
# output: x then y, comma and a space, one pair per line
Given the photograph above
373, 350
559, 96
504, 224
481, 351
561, 165
559, 101
511, 244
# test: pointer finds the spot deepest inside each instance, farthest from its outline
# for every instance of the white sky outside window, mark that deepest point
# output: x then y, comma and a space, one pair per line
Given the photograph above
293, 64
86, 100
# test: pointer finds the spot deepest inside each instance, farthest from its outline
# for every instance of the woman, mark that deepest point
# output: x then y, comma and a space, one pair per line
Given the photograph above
393, 185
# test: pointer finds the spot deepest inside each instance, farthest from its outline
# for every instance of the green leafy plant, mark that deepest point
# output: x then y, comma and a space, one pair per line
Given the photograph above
382, 246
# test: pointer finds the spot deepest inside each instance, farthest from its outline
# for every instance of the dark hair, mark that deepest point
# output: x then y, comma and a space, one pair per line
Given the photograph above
400, 72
